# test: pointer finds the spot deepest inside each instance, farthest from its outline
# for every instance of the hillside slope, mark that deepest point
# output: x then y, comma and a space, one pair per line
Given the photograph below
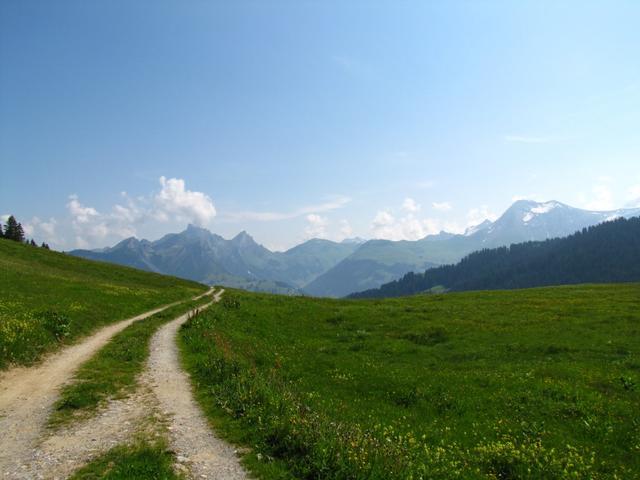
50, 298
522, 222
240, 262
609, 252
523, 384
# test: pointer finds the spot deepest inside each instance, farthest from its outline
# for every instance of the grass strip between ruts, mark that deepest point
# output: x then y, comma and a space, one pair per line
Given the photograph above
51, 300
112, 371
142, 460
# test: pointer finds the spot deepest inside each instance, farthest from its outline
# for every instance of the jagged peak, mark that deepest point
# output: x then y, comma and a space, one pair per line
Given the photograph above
243, 236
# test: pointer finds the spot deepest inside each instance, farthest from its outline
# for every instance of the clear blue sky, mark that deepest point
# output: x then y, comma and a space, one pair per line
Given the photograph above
297, 119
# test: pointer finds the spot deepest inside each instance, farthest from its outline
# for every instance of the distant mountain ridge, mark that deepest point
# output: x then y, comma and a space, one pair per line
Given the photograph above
608, 252
380, 261
325, 268
200, 255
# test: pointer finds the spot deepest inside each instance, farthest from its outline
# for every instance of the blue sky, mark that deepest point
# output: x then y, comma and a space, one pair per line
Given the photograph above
300, 119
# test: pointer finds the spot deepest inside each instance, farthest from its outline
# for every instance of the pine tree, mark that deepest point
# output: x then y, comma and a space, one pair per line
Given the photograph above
33, 243
1, 231
13, 230
45, 246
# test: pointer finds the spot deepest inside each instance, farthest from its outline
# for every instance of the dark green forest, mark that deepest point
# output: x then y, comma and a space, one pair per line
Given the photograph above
608, 252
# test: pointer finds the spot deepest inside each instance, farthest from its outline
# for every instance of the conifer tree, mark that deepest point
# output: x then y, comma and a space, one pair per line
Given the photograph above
13, 230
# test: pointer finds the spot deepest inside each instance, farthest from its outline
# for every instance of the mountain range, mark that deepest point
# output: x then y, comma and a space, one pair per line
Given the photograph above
335, 269
604, 253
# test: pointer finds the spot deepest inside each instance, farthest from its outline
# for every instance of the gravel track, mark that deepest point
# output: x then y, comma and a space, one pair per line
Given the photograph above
29, 450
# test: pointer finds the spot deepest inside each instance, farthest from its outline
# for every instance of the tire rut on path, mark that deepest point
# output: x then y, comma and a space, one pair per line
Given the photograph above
204, 454
27, 395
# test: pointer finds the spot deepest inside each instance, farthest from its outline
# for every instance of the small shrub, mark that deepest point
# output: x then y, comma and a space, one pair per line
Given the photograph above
58, 324
628, 384
405, 397
335, 319
230, 302
427, 338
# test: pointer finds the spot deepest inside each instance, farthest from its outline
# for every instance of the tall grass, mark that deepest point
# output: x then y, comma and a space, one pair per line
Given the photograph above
48, 299
511, 385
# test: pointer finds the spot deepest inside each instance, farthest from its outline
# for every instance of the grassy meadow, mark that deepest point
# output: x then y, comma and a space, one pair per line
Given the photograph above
50, 299
529, 384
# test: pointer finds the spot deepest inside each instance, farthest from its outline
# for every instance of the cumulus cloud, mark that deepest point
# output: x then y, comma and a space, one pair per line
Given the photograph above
600, 198
408, 227
346, 231
441, 206
175, 199
172, 202
316, 226
410, 205
79, 212
41, 230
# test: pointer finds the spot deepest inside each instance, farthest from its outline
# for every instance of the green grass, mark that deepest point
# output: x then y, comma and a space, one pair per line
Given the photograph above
50, 299
529, 384
140, 461
112, 372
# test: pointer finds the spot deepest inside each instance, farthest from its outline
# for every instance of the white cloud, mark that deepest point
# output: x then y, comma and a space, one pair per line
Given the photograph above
79, 212
453, 227
332, 203
41, 230
383, 218
441, 206
410, 205
172, 202
81, 242
476, 216
409, 227
346, 231
173, 198
317, 226
600, 199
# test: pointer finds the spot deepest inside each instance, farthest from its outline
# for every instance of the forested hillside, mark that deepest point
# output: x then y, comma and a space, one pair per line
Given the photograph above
609, 252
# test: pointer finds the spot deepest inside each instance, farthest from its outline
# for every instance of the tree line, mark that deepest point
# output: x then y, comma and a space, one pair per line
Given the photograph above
605, 253
13, 230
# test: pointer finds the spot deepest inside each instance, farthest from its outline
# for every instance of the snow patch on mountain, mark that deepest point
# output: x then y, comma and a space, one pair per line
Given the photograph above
476, 228
545, 207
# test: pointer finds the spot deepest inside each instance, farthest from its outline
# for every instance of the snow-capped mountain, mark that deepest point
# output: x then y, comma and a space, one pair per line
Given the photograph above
325, 268
380, 261
529, 220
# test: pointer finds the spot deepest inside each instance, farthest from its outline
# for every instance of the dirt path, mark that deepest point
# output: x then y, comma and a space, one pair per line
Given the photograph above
59, 454
27, 395
195, 445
